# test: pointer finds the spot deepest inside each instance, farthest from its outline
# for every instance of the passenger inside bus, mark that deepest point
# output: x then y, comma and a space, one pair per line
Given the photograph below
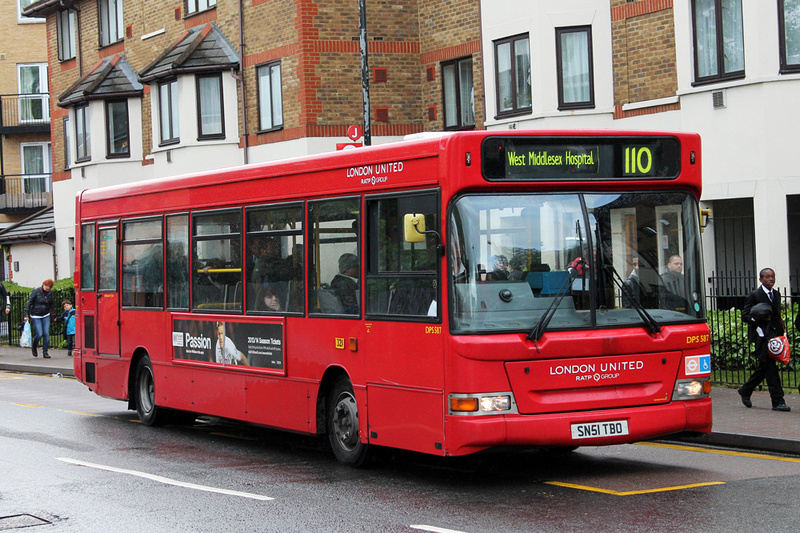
516, 268
269, 300
499, 269
345, 284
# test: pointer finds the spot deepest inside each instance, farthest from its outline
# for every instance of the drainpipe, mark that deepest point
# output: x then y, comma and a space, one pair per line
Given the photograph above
55, 260
241, 79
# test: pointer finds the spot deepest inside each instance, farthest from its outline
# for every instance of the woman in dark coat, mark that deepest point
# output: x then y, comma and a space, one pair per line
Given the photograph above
38, 309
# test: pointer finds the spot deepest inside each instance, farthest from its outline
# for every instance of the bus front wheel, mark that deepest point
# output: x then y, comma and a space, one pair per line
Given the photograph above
343, 424
149, 413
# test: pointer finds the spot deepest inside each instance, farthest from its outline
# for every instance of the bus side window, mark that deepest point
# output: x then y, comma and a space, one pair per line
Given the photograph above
217, 262
87, 257
402, 277
142, 264
274, 266
178, 262
334, 261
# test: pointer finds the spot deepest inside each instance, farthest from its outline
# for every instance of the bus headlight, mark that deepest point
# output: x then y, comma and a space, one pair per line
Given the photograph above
689, 389
482, 404
495, 403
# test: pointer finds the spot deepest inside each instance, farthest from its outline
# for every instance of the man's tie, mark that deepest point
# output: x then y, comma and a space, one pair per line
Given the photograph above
770, 295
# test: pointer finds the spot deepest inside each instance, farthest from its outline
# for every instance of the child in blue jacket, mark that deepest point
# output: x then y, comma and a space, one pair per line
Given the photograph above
68, 317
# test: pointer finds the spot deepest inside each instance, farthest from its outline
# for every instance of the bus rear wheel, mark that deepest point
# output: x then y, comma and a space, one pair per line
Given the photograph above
343, 425
144, 387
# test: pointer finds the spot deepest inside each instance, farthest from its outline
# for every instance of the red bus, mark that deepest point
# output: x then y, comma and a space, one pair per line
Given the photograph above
444, 295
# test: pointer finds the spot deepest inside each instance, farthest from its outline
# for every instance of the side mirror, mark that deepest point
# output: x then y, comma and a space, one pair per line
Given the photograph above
414, 227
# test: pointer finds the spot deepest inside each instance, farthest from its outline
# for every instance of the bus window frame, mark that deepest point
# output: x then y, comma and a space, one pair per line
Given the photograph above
105, 226
312, 273
299, 204
193, 239
167, 217
435, 274
92, 257
123, 242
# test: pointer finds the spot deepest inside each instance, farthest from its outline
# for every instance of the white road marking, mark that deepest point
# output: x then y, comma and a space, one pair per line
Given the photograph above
434, 529
166, 481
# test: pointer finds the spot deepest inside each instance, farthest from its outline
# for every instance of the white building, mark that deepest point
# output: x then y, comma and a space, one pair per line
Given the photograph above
736, 88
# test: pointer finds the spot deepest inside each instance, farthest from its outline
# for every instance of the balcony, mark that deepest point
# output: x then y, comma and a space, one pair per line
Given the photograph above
25, 113
22, 193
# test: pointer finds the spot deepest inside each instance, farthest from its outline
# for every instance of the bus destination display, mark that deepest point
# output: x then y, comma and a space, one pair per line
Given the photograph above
554, 158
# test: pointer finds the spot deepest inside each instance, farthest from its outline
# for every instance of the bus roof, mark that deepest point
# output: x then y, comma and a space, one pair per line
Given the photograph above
418, 148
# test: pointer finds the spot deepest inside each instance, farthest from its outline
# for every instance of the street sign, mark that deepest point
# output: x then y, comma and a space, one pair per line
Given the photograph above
354, 132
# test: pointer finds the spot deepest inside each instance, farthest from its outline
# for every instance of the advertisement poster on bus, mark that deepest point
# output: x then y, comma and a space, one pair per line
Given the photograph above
229, 342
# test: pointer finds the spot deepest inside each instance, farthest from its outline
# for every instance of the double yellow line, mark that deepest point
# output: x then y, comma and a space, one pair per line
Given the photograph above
677, 487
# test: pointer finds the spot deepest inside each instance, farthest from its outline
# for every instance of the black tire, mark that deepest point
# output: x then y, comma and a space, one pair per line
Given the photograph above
343, 425
144, 389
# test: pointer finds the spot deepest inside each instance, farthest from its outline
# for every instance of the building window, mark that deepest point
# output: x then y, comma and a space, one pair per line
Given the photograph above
34, 102
270, 99
82, 148
117, 134
21, 6
718, 40
111, 22
574, 64
65, 25
513, 75
209, 107
789, 18
459, 95
168, 112
36, 167
195, 6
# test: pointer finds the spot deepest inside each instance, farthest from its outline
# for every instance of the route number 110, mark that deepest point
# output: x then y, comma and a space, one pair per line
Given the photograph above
638, 160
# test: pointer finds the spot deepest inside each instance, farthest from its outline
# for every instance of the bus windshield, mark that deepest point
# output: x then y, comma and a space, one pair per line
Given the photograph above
588, 260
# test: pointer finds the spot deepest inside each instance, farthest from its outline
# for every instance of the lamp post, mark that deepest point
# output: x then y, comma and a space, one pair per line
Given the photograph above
362, 23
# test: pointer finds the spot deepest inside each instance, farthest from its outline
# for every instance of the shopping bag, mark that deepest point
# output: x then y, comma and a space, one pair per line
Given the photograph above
778, 349
25, 337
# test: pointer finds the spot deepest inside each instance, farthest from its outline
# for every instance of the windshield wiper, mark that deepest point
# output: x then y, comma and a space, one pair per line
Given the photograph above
646, 317
575, 269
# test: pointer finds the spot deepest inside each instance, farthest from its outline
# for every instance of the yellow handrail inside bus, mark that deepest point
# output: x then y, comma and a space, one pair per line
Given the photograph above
217, 270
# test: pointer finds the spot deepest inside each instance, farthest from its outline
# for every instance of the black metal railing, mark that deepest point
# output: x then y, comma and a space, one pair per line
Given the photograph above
24, 111
731, 351
25, 191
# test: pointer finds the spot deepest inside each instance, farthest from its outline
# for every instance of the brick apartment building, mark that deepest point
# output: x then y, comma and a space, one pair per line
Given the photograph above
153, 89
25, 186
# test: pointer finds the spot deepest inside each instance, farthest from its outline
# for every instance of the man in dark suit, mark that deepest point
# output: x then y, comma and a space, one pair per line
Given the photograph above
766, 369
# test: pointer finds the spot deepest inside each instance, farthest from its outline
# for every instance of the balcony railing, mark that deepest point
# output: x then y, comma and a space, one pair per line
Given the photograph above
24, 112
25, 192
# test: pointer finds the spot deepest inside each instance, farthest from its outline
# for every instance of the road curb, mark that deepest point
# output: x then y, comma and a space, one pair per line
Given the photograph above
743, 441
31, 369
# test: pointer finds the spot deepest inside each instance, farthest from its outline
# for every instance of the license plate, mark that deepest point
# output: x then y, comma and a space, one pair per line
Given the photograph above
599, 429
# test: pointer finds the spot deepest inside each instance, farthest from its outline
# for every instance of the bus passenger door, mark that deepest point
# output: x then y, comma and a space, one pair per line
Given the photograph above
107, 292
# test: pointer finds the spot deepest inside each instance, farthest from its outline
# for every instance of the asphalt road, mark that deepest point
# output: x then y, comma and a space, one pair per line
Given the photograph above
79, 462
